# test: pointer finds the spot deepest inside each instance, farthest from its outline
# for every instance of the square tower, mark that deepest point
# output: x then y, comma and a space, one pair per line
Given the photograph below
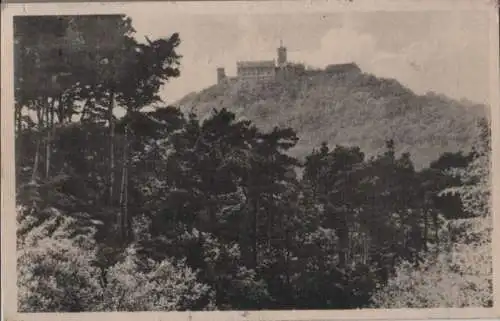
221, 75
281, 55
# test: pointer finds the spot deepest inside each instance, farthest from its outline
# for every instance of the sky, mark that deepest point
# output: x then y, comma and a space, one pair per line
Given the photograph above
442, 51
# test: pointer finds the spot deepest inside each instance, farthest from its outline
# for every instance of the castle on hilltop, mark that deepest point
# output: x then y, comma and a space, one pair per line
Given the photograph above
261, 70
269, 70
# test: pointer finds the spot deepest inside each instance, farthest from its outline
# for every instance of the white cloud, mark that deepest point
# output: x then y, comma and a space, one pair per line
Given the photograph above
338, 46
454, 61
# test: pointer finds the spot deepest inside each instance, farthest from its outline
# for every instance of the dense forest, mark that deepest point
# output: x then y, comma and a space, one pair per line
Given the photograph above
161, 210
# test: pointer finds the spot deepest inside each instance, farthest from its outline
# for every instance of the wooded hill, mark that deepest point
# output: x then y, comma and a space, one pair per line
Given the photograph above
355, 109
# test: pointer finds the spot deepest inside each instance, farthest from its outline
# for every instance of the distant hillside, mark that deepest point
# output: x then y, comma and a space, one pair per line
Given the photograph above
351, 108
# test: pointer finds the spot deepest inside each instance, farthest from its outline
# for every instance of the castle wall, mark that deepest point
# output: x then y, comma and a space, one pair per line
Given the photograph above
269, 70
257, 70
256, 73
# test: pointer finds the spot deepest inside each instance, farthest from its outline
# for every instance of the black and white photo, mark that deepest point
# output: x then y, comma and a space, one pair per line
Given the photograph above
251, 161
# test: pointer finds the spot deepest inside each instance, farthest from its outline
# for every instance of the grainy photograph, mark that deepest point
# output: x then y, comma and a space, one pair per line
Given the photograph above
264, 161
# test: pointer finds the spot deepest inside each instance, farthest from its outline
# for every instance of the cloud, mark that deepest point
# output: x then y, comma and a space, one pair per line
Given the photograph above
442, 64
338, 46
453, 61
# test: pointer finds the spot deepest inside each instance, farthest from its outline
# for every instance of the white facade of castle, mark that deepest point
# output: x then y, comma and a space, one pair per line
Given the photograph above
260, 70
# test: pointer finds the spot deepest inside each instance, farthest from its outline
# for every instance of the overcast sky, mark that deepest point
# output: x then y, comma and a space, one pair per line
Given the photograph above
442, 51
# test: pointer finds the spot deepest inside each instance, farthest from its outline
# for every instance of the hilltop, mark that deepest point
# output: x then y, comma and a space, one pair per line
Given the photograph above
349, 108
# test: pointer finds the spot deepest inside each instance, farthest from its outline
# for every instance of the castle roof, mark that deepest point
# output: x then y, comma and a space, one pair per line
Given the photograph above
255, 64
342, 67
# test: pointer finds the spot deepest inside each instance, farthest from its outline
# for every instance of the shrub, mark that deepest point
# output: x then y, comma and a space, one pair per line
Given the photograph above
55, 267
457, 276
57, 273
164, 286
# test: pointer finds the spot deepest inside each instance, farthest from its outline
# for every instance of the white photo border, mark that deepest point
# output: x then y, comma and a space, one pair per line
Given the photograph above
8, 217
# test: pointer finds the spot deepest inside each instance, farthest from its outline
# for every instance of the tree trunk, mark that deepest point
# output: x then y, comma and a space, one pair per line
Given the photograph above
60, 110
40, 119
125, 201
111, 148
36, 161
46, 105
366, 248
123, 216
288, 278
50, 134
436, 227
426, 230
87, 107
343, 233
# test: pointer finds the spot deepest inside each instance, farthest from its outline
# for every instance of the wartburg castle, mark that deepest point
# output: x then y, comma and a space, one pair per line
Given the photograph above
269, 70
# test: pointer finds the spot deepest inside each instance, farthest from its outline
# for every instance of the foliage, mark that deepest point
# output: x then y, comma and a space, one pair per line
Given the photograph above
475, 179
448, 278
58, 272
134, 285
50, 249
459, 272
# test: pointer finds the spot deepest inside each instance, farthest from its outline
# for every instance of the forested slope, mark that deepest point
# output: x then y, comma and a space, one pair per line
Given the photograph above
355, 109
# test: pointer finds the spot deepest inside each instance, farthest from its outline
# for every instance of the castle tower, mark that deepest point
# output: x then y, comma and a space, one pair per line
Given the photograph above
221, 75
281, 55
